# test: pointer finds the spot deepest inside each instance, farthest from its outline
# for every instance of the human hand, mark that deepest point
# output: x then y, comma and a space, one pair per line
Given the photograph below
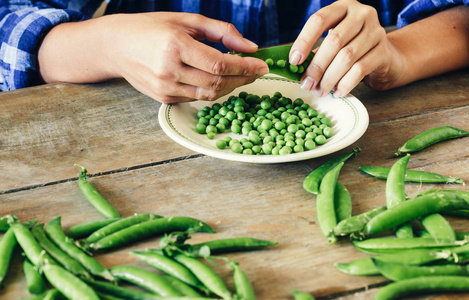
356, 46
160, 55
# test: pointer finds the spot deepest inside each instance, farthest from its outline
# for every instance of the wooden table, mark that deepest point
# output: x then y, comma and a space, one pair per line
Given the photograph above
114, 131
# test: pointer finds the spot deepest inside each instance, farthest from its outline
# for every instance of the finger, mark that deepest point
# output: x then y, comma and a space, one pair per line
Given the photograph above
367, 39
221, 32
210, 60
196, 77
324, 19
364, 66
337, 38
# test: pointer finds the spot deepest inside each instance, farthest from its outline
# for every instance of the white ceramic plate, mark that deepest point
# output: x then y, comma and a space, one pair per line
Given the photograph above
348, 115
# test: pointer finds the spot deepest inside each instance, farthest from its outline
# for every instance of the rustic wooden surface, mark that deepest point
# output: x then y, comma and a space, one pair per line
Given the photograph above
113, 130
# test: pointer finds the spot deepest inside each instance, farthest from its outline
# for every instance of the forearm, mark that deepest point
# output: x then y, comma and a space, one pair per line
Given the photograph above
435, 45
77, 52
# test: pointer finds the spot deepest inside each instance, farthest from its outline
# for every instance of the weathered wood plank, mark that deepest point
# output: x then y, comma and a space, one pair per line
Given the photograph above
44, 130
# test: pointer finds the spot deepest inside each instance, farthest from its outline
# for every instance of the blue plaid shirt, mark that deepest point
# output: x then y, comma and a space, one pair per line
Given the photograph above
23, 24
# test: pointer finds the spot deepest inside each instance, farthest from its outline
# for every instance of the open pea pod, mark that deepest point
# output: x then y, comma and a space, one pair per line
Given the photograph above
277, 60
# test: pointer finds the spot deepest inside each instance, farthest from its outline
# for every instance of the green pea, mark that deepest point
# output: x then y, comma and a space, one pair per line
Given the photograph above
309, 144
231, 116
255, 139
280, 63
298, 148
256, 149
327, 132
235, 128
293, 68
320, 139
300, 141
200, 128
221, 144
267, 148
285, 150
269, 62
201, 113
312, 112
211, 128
292, 128
326, 121
204, 121
232, 142
279, 125
220, 128
211, 135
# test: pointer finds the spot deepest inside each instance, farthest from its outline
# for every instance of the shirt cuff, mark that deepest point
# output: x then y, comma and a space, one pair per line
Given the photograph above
21, 33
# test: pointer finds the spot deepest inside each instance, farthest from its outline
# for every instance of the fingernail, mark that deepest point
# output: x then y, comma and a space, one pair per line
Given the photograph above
318, 92
199, 93
250, 43
295, 58
338, 94
262, 71
307, 84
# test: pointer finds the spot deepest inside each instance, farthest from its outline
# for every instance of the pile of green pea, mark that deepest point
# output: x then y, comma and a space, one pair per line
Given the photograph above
275, 125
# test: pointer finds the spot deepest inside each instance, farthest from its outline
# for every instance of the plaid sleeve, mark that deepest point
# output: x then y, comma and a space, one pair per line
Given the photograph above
420, 9
21, 31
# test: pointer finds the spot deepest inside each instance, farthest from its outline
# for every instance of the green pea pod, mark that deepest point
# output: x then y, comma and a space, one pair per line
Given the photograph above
421, 285
55, 233
94, 197
60, 256
34, 281
118, 225
243, 287
232, 245
325, 204
120, 291
299, 295
205, 274
360, 267
438, 227
412, 175
51, 294
397, 271
4, 226
395, 193
33, 251
277, 59
394, 245
68, 284
355, 224
342, 202
182, 287
312, 181
462, 194
7, 246
414, 257
85, 229
168, 266
148, 280
414, 208
431, 137
148, 229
